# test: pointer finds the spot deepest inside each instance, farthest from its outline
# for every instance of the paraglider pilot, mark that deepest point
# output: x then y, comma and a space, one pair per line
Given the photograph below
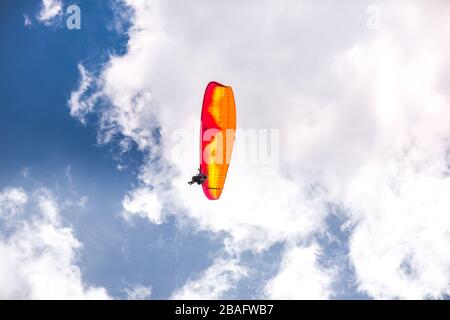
199, 178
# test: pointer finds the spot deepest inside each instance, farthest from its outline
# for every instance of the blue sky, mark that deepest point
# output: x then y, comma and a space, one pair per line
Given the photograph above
43, 146
98, 134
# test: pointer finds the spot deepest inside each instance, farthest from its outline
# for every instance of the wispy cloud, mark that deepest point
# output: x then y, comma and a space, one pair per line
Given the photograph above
80, 102
214, 282
138, 292
27, 21
144, 203
12, 201
50, 9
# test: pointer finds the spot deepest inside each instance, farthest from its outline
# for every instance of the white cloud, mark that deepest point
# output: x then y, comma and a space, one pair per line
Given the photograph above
364, 124
39, 254
142, 102
301, 276
396, 193
138, 292
50, 9
144, 203
214, 282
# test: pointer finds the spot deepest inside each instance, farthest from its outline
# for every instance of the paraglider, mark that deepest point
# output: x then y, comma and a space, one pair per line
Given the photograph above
217, 134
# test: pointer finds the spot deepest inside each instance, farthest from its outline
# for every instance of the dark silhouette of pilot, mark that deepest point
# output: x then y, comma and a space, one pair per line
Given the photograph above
198, 178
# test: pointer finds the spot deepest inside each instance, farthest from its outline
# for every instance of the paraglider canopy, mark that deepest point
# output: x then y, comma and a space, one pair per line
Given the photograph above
217, 133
